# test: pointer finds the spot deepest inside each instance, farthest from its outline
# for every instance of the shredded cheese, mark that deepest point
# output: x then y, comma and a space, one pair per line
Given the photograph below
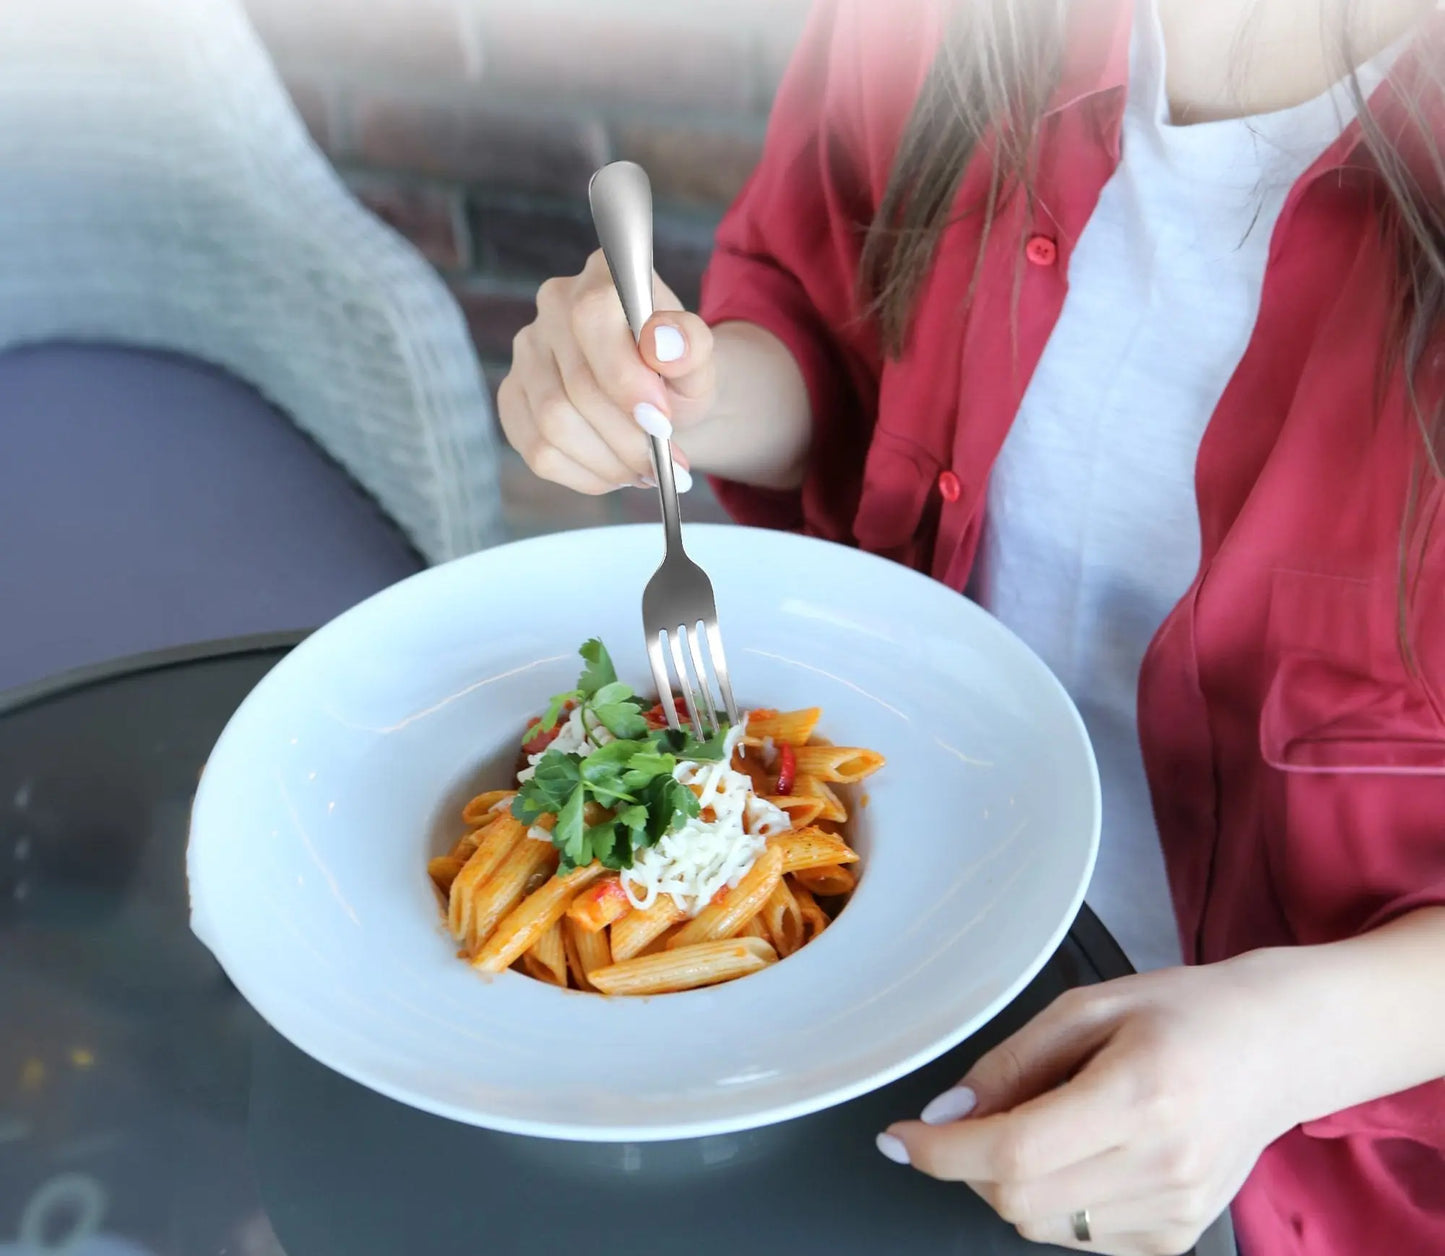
571, 738
706, 855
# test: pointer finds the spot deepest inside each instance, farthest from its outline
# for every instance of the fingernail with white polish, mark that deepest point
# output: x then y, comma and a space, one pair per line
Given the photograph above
893, 1148
951, 1105
682, 477
645, 481
668, 343
652, 420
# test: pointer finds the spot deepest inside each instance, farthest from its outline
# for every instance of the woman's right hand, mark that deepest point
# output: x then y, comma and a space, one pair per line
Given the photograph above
582, 395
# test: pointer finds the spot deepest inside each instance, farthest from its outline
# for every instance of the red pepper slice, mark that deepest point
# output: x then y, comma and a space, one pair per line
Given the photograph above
657, 717
787, 769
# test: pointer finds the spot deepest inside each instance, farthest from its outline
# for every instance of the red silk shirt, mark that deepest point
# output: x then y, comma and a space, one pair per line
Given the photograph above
1296, 760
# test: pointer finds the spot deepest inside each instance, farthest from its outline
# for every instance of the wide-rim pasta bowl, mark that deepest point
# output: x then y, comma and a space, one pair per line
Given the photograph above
347, 766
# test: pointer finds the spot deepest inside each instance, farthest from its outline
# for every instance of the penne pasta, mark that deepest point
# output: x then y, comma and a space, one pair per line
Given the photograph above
546, 959
811, 787
483, 808
738, 905
599, 904
843, 765
508, 906
500, 893
470, 840
762, 780
659, 943
801, 811
521, 928
576, 974
631, 933
685, 968
590, 948
497, 842
815, 919
443, 871
784, 728
783, 919
812, 848
830, 880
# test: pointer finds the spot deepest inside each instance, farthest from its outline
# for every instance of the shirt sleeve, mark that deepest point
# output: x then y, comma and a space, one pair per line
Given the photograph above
787, 251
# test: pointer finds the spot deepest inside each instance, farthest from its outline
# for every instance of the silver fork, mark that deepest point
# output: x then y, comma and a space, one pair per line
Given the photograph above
678, 600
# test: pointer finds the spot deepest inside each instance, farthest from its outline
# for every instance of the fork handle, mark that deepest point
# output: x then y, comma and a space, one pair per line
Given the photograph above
621, 200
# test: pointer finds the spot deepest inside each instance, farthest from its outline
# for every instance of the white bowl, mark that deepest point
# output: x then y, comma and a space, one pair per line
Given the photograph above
348, 764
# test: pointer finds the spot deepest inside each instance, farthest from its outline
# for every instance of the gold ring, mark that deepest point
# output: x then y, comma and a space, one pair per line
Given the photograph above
1080, 1222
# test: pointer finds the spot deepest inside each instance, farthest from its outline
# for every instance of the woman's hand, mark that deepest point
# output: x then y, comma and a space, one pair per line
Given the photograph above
1145, 1100
582, 396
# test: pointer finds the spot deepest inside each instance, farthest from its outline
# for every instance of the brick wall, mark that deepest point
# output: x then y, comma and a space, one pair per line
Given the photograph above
472, 126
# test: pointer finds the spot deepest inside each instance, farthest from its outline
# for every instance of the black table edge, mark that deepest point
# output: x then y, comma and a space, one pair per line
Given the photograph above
76, 678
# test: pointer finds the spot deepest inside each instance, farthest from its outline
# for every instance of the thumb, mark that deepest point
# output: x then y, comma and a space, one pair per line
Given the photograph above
1044, 1054
678, 346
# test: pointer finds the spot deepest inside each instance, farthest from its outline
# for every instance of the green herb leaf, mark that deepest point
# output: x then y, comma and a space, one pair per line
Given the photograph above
601, 842
643, 766
609, 793
615, 692
683, 745
622, 719
558, 774
630, 776
632, 817
570, 835
550, 789
554, 712
527, 807
632, 834
603, 771
669, 804
599, 671
615, 754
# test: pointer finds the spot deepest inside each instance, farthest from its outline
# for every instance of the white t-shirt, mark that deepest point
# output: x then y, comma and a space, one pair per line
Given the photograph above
1092, 528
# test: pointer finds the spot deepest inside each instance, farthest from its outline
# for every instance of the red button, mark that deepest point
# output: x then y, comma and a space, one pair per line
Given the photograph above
1041, 251
950, 486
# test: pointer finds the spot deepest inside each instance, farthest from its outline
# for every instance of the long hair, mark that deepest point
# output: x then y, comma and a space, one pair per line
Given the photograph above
992, 80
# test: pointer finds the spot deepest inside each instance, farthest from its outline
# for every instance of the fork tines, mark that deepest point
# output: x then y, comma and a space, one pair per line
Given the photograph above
693, 684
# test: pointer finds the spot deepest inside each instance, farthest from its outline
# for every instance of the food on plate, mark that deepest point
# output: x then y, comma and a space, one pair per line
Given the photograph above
630, 858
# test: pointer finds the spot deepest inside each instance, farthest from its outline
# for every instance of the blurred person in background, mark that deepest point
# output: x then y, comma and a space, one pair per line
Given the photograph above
1125, 317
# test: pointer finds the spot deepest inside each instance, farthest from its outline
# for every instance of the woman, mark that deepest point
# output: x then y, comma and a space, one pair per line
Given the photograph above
1126, 318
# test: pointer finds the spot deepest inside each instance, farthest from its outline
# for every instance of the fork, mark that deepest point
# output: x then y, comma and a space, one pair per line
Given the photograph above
678, 600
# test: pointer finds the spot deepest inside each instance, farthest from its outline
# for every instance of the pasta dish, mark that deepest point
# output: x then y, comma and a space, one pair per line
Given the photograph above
630, 858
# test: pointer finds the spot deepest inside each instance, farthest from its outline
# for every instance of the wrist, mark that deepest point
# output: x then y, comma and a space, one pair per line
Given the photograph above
756, 427
1350, 1021
721, 445
1298, 1033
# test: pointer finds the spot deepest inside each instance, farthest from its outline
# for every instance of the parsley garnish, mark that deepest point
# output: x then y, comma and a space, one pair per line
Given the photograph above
629, 779
600, 695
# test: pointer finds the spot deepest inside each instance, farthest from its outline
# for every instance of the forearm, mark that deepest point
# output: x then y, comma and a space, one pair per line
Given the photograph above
760, 424
1357, 1019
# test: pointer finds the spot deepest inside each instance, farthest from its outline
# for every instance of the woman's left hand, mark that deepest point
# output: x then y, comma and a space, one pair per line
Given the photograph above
1145, 1100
